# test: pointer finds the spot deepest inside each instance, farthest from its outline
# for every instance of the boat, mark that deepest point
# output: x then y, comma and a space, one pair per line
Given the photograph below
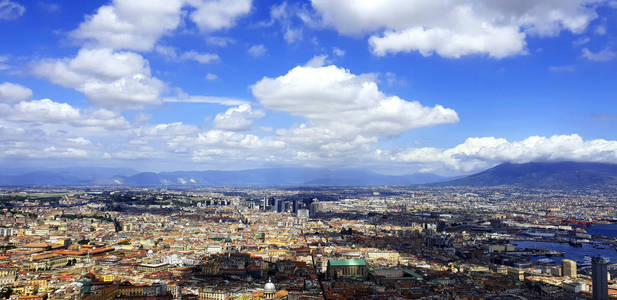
599, 246
575, 243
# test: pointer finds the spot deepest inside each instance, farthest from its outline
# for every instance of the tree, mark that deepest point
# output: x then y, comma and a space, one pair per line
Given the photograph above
6, 292
7, 247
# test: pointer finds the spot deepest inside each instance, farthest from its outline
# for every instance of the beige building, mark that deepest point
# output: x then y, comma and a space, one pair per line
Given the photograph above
211, 294
568, 268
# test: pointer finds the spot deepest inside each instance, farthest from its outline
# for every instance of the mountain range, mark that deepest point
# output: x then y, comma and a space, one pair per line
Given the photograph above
543, 174
259, 177
535, 174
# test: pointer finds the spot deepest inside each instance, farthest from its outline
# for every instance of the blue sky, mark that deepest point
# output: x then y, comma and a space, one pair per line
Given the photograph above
396, 86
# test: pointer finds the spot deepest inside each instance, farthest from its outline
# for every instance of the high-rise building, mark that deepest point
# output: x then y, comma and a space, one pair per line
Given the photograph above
315, 207
599, 275
568, 268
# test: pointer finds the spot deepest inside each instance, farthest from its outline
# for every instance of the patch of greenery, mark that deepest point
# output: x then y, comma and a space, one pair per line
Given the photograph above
7, 247
96, 217
8, 198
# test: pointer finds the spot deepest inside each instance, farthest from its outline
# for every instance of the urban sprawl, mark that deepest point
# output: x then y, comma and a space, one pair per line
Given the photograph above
303, 243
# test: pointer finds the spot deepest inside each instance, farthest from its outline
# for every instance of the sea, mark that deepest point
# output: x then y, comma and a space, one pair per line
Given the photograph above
608, 230
582, 255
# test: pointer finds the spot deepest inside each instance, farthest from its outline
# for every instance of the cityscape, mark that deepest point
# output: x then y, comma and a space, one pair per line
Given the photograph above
307, 243
308, 149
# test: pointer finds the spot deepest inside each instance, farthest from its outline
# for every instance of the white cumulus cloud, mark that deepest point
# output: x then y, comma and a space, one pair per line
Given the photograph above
237, 118
13, 93
479, 153
496, 42
43, 111
108, 78
130, 24
46, 111
332, 94
343, 111
212, 15
455, 28
138, 24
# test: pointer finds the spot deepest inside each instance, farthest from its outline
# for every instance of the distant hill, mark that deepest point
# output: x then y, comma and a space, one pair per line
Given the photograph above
536, 174
277, 176
61, 176
543, 174
258, 177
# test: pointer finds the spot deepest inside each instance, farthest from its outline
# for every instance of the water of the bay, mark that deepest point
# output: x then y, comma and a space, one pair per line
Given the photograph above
608, 230
577, 254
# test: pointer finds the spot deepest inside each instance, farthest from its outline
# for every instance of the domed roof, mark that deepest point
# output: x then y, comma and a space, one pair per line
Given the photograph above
270, 288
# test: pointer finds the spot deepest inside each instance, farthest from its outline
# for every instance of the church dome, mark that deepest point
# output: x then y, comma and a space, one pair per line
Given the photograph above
269, 288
